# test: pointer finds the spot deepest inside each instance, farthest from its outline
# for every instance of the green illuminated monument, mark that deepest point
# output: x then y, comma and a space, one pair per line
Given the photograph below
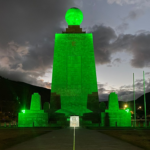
116, 116
74, 82
35, 116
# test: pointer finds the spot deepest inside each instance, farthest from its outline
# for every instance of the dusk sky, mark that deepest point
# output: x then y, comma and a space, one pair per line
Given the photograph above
121, 37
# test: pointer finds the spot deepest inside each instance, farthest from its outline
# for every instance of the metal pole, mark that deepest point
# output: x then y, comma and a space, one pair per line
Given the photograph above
74, 139
144, 99
134, 103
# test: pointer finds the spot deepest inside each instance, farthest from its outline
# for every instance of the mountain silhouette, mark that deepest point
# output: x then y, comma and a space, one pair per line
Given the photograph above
15, 95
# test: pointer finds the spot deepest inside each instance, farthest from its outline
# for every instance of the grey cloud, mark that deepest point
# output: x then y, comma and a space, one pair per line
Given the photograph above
102, 36
140, 48
122, 42
122, 27
22, 76
27, 40
138, 3
137, 45
27, 37
142, 31
134, 14
116, 61
147, 73
125, 92
109, 65
125, 86
101, 91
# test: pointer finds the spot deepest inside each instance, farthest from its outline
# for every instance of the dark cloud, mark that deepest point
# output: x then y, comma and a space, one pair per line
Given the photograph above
27, 37
136, 45
102, 36
116, 61
27, 43
123, 42
31, 21
122, 27
134, 14
140, 47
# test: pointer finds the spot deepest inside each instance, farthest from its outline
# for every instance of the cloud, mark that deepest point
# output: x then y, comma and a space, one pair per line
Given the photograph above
27, 37
116, 61
103, 92
102, 36
126, 91
140, 47
147, 73
36, 58
28, 34
130, 2
122, 27
134, 14
142, 31
137, 45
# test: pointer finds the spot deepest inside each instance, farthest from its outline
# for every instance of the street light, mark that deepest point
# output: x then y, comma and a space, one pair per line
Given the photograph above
125, 106
23, 111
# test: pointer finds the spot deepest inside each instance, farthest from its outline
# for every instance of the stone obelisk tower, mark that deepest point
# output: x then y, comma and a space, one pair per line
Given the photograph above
74, 73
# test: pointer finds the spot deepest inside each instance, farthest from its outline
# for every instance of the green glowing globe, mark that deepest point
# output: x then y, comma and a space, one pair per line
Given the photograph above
74, 16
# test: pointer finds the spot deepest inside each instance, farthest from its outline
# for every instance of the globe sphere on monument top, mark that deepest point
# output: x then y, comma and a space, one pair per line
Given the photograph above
74, 16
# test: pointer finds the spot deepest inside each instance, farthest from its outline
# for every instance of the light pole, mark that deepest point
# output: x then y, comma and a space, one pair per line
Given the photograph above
144, 99
134, 103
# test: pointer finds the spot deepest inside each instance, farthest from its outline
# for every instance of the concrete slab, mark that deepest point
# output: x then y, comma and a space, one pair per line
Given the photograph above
84, 140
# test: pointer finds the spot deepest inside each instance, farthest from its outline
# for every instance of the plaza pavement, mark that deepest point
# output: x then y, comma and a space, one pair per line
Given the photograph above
85, 139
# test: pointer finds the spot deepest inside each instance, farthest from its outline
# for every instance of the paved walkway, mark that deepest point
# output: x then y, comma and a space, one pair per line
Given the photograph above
84, 140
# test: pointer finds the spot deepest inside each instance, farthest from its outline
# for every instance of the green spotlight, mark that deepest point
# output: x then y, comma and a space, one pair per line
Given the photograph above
127, 110
23, 111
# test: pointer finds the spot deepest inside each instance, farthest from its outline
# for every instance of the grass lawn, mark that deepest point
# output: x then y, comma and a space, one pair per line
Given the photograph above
12, 136
139, 136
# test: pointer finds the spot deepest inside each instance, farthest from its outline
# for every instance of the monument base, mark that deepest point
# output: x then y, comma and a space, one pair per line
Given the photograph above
73, 112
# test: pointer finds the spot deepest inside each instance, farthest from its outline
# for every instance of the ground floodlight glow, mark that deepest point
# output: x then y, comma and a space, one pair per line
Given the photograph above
127, 110
74, 121
23, 111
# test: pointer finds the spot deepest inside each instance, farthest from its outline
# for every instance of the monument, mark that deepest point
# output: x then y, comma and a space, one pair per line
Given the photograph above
116, 117
74, 81
35, 116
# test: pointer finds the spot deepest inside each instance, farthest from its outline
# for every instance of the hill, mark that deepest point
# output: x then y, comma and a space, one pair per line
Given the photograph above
15, 95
